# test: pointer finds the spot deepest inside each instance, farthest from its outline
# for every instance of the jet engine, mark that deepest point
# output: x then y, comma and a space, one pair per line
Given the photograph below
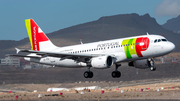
142, 64
102, 62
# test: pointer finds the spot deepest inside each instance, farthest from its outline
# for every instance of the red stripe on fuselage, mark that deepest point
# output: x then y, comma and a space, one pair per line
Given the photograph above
143, 47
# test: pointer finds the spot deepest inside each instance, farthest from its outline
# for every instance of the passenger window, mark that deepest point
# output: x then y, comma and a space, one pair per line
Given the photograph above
155, 41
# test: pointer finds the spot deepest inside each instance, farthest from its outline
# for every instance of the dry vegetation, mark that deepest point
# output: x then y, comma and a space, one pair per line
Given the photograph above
24, 82
130, 92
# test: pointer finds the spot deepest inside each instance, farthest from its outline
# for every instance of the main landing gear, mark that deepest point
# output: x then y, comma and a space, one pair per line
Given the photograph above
116, 73
88, 74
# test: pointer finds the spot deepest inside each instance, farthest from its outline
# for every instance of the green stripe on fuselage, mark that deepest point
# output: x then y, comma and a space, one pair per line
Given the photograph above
129, 47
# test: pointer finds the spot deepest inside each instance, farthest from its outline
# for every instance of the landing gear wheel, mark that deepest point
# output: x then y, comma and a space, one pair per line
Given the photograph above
90, 74
116, 74
113, 74
86, 74
153, 68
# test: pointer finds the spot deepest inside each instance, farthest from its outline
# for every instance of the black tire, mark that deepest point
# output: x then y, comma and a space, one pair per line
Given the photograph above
86, 74
118, 74
153, 68
113, 74
90, 74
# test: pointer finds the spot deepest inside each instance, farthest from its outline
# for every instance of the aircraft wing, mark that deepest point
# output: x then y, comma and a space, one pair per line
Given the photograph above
55, 54
25, 56
41, 54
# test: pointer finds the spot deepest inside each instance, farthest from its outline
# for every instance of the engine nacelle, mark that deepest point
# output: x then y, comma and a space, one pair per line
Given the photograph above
142, 64
102, 62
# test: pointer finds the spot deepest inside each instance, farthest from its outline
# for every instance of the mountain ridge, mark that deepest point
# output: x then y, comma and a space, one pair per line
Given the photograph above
173, 24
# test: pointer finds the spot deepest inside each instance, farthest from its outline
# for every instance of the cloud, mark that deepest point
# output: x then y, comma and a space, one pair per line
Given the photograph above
168, 8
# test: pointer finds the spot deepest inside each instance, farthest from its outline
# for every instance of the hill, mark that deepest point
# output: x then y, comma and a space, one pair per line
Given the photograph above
173, 24
107, 27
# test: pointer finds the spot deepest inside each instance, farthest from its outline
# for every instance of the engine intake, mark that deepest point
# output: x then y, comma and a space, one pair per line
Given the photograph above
102, 62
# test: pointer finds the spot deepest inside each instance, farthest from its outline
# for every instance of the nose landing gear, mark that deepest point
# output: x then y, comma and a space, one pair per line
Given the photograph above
151, 65
153, 68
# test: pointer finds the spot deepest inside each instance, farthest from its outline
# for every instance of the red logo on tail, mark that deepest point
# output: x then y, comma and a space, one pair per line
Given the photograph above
37, 36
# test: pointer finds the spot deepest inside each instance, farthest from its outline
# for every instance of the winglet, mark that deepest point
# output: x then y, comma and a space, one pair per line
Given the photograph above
17, 50
147, 33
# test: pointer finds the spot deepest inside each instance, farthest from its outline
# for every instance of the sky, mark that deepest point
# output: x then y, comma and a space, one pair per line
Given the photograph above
53, 15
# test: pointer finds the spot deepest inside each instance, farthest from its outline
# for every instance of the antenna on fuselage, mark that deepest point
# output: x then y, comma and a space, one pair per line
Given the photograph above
147, 33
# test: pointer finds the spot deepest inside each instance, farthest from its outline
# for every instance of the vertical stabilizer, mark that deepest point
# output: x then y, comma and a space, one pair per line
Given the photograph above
39, 41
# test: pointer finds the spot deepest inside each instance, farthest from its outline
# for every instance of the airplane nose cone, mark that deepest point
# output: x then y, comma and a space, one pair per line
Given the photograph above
171, 46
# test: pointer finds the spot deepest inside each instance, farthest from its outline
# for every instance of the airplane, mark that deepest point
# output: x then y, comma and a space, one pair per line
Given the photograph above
138, 51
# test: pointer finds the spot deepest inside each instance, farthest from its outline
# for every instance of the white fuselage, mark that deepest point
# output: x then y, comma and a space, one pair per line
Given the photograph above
123, 49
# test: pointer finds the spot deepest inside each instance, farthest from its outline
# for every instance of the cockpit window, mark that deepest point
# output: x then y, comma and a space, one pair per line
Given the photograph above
159, 40
155, 41
164, 39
